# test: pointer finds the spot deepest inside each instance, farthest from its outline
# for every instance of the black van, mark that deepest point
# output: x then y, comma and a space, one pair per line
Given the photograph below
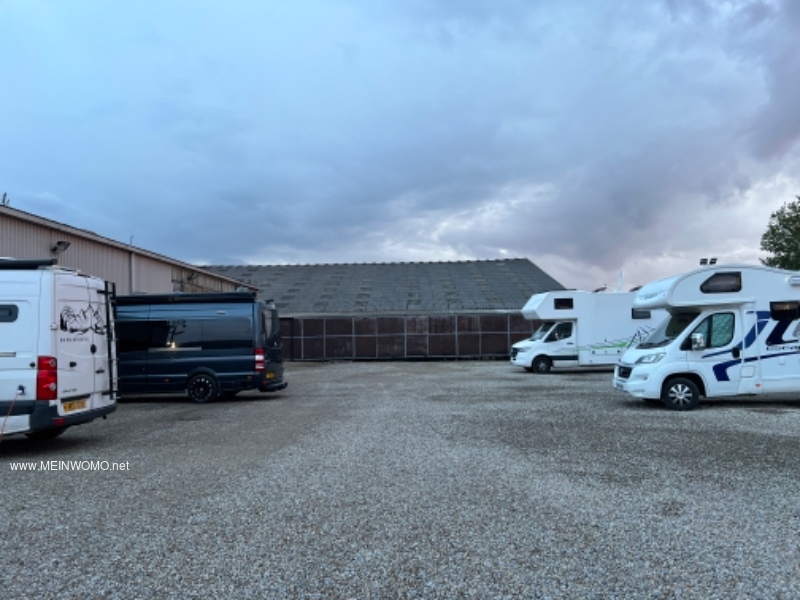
209, 344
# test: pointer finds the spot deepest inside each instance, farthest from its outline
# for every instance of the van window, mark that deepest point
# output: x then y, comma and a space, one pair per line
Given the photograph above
562, 303
227, 334
176, 333
8, 313
669, 330
205, 334
717, 329
722, 283
266, 322
784, 311
133, 336
561, 332
544, 328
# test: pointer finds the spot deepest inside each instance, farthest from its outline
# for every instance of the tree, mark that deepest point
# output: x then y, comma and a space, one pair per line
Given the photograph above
782, 238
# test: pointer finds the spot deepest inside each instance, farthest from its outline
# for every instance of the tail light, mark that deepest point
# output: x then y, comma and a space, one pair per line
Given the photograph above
46, 378
259, 356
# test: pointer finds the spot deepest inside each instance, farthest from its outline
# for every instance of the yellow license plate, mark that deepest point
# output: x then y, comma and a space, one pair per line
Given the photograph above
74, 405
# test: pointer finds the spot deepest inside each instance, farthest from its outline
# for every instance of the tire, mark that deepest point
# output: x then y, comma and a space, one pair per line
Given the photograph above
680, 394
202, 388
541, 365
45, 434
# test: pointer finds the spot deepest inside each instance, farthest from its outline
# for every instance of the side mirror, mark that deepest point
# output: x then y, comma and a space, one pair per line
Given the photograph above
698, 341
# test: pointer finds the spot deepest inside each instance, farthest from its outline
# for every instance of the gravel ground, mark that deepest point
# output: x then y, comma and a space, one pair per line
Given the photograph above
412, 480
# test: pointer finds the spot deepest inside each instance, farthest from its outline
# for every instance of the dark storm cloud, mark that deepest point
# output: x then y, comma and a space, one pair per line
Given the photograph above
572, 133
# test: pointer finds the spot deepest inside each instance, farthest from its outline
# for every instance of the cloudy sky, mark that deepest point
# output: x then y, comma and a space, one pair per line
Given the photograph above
588, 136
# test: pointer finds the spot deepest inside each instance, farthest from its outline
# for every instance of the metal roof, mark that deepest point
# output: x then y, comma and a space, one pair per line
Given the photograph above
480, 286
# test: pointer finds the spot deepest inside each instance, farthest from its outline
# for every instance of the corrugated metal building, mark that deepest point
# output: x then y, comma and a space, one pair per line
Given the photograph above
462, 309
24, 235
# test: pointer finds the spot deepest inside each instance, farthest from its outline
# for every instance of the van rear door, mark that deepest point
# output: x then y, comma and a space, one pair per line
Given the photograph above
77, 318
102, 348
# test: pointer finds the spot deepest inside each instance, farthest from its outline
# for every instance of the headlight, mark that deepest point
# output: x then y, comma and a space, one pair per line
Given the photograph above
649, 359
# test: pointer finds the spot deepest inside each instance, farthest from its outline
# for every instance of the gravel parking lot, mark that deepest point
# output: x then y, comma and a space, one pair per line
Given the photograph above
412, 480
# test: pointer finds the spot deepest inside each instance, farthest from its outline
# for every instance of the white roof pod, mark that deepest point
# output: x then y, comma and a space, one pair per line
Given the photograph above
715, 285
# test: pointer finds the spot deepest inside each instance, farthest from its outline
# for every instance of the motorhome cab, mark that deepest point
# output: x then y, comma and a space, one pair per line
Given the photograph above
57, 365
733, 330
581, 329
206, 344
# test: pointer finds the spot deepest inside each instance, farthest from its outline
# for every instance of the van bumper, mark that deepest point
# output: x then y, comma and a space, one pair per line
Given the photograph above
522, 358
636, 380
273, 385
44, 416
273, 378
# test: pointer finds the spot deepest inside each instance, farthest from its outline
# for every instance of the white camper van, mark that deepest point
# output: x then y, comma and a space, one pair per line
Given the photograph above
57, 356
582, 329
733, 330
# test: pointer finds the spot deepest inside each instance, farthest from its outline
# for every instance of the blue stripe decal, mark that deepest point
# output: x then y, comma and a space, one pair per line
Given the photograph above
721, 369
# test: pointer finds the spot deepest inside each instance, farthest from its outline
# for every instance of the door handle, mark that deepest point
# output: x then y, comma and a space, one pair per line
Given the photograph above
100, 371
73, 364
736, 352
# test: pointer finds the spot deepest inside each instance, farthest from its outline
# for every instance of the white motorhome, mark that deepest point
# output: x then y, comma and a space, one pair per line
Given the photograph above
581, 329
733, 330
57, 352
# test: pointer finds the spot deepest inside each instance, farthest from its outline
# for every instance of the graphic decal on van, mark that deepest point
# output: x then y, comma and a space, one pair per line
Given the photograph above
82, 320
776, 335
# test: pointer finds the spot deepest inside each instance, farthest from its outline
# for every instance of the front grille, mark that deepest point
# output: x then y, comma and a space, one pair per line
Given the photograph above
623, 372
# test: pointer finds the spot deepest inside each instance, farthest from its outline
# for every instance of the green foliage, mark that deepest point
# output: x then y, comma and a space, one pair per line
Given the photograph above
782, 238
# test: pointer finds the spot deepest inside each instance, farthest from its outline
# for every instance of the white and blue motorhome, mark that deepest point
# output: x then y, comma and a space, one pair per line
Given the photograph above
733, 330
581, 329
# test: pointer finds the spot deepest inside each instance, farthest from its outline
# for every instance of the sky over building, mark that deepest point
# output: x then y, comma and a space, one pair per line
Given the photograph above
591, 137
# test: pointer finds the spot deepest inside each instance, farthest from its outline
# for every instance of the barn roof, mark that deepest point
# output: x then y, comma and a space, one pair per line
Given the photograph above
478, 286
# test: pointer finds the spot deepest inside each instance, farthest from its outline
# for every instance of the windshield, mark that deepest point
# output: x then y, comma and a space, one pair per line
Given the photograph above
669, 330
543, 330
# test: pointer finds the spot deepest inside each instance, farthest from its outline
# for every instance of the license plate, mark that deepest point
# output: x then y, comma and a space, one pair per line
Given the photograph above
74, 405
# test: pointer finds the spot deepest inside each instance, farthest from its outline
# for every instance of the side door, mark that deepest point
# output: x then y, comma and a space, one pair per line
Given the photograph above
562, 346
720, 359
175, 346
134, 332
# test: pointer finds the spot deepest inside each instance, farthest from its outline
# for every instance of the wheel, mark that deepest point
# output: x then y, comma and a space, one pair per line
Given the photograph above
541, 364
680, 394
45, 434
202, 388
